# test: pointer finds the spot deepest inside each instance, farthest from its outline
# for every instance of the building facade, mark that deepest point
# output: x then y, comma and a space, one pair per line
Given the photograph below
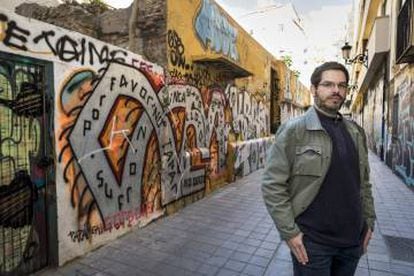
383, 80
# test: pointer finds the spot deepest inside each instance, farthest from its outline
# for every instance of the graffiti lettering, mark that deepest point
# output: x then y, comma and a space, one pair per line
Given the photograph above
142, 131
67, 49
214, 30
99, 177
176, 50
64, 47
404, 146
86, 126
117, 221
194, 181
14, 33
250, 155
142, 65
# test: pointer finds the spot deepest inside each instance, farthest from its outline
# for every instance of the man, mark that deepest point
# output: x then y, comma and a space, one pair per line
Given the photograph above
316, 182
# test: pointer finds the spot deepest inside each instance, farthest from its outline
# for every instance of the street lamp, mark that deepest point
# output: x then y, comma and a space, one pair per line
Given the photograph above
359, 58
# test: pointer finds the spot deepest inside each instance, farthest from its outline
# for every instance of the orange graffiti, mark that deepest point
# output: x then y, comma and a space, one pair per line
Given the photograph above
151, 182
177, 117
125, 114
75, 91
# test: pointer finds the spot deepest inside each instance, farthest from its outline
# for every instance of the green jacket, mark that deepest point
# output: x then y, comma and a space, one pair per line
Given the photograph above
296, 167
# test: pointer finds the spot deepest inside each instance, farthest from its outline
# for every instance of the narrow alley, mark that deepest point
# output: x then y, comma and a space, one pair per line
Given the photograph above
230, 233
133, 138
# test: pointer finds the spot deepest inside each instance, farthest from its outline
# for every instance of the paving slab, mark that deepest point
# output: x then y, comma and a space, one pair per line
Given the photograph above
230, 233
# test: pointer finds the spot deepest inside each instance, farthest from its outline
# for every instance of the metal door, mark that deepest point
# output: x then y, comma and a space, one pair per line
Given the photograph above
24, 164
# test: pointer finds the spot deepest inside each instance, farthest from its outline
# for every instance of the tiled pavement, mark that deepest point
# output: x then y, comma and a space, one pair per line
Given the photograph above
230, 233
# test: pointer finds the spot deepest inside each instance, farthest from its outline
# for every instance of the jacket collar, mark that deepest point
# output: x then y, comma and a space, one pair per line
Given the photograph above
313, 123
312, 119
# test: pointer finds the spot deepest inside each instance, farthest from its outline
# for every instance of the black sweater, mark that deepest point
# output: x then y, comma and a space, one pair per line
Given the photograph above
335, 216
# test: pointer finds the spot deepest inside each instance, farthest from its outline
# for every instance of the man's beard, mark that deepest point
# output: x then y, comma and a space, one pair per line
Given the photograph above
326, 108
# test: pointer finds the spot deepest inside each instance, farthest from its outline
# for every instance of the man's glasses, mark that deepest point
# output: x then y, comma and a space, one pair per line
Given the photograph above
343, 86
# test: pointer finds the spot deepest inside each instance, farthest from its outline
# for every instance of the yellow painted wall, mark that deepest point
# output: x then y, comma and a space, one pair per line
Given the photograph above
251, 55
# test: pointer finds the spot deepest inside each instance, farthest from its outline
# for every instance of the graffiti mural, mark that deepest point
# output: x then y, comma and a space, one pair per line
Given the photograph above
195, 131
288, 79
105, 173
403, 156
373, 117
249, 155
177, 49
127, 116
215, 31
184, 71
128, 140
90, 205
250, 118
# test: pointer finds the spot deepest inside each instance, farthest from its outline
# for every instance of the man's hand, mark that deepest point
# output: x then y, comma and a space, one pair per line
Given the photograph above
367, 237
298, 249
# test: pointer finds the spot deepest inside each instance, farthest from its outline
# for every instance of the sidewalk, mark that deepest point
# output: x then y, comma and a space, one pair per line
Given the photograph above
230, 233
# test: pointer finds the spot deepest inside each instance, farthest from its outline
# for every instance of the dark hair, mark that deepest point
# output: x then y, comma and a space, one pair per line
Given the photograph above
331, 65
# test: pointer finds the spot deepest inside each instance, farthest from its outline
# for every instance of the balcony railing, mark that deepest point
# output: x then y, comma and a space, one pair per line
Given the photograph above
405, 33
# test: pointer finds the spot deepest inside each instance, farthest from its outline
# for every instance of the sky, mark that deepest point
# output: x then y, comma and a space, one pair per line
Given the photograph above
302, 6
324, 21
119, 3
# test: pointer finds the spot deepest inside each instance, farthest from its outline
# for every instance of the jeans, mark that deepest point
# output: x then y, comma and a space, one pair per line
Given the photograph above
326, 260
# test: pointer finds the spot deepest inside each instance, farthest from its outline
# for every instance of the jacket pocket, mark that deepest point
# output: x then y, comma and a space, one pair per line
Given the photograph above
308, 160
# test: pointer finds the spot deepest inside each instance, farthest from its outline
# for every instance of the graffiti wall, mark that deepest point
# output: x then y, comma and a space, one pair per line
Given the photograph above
111, 134
243, 101
373, 115
224, 46
215, 31
128, 140
248, 156
403, 146
296, 98
388, 120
